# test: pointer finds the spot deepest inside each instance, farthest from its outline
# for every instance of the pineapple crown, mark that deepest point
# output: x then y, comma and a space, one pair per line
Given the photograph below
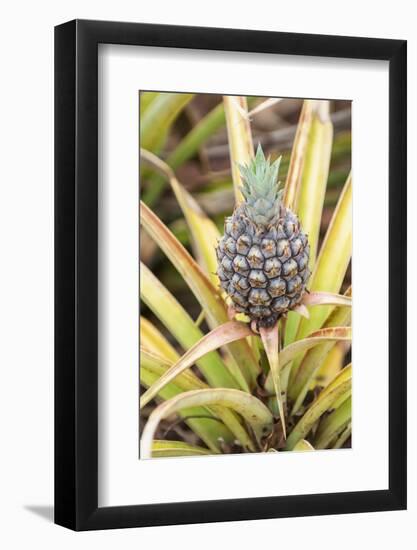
261, 189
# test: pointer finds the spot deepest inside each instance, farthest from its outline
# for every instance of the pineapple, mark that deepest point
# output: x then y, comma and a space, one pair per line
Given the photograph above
263, 255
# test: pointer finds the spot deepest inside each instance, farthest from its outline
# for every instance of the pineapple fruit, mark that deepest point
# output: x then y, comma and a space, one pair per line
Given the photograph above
263, 255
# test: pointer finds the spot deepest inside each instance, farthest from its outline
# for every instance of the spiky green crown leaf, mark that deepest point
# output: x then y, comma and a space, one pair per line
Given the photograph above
261, 189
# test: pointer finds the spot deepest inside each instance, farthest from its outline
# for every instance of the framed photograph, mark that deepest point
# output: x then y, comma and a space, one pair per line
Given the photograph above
230, 245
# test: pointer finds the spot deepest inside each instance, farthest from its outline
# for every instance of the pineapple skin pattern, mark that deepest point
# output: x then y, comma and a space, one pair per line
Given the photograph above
263, 255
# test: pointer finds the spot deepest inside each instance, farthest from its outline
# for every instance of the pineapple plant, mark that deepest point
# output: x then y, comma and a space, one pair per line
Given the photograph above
264, 253
265, 364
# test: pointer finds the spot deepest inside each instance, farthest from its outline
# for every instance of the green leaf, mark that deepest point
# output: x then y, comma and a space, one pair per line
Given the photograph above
145, 99
251, 409
307, 179
187, 381
270, 340
187, 148
343, 437
334, 424
203, 289
315, 172
191, 143
181, 326
311, 299
159, 116
162, 449
289, 353
331, 265
331, 365
342, 384
303, 445
330, 268
315, 357
204, 232
213, 340
209, 430
333, 260
158, 365
153, 340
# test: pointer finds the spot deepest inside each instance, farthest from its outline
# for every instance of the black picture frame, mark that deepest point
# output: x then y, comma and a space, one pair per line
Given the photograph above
76, 271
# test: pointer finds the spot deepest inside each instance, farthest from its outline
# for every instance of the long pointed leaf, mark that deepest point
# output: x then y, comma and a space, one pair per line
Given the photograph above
315, 172
330, 333
153, 340
270, 340
307, 179
333, 259
331, 365
289, 353
204, 232
332, 264
182, 327
250, 408
343, 437
341, 385
312, 299
314, 358
152, 362
333, 425
216, 338
190, 144
239, 136
162, 449
187, 381
187, 147
158, 117
205, 292
146, 99
303, 445
208, 430
327, 299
